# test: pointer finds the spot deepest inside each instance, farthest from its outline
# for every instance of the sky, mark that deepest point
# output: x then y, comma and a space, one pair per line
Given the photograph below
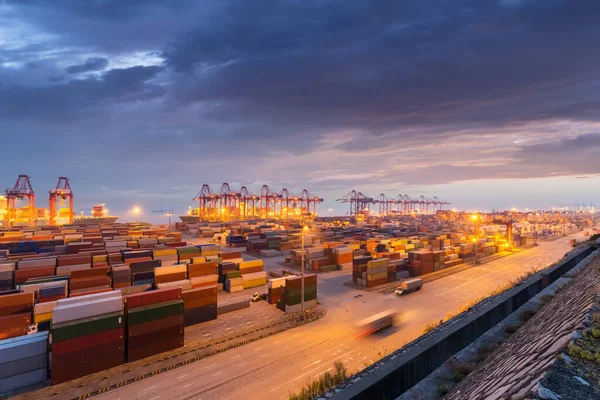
485, 104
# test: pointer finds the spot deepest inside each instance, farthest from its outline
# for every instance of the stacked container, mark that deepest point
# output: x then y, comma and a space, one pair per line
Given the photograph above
15, 314
155, 322
203, 274
121, 276
142, 272
200, 304
233, 282
7, 271
293, 293
23, 361
168, 256
92, 280
186, 253
170, 274
276, 290
88, 335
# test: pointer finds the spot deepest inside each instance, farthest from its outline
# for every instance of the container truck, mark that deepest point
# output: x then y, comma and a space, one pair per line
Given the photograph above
375, 323
409, 285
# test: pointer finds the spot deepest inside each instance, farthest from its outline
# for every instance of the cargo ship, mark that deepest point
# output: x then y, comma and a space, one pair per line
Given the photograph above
193, 215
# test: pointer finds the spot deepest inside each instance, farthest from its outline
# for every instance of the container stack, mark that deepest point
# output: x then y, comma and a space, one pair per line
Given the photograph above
167, 256
34, 268
15, 314
200, 305
233, 282
23, 361
224, 268
343, 257
7, 271
92, 280
254, 279
186, 253
293, 293
377, 272
276, 290
42, 315
142, 272
359, 269
155, 322
73, 262
203, 274
233, 257
170, 274
121, 276
88, 335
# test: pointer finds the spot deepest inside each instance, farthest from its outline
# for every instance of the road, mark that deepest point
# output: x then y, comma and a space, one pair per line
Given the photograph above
279, 365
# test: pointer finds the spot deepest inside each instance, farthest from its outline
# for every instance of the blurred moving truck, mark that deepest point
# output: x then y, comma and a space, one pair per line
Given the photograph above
376, 322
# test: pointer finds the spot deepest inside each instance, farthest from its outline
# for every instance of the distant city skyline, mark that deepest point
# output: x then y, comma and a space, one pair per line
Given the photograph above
486, 104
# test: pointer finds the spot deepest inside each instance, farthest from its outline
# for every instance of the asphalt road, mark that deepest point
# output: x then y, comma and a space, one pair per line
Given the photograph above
275, 367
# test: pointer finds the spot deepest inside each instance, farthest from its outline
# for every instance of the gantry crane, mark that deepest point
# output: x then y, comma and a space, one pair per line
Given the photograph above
62, 192
21, 190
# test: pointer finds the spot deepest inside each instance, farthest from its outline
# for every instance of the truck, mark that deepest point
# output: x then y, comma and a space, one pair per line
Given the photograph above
376, 323
409, 285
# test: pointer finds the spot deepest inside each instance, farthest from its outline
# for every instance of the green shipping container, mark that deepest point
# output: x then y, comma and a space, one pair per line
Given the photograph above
87, 326
295, 297
234, 274
154, 312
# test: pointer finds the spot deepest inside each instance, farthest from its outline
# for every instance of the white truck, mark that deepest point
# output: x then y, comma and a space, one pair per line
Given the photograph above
409, 285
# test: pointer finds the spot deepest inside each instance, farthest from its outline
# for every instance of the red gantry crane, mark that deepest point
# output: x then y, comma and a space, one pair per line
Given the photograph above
21, 190
62, 192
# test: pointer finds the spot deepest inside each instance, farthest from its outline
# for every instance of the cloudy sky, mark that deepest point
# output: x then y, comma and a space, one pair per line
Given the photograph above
487, 104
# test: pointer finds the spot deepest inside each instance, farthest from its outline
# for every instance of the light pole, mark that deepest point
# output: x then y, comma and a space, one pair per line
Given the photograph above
475, 218
169, 214
136, 211
304, 228
330, 212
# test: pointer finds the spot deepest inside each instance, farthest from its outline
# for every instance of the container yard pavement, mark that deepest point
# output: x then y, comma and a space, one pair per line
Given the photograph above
278, 365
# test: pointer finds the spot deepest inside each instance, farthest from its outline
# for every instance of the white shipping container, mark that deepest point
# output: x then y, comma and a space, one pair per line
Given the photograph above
72, 312
43, 308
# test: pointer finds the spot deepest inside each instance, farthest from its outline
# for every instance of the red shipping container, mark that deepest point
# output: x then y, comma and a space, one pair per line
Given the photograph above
51, 298
89, 273
76, 371
138, 353
156, 336
94, 281
153, 297
84, 342
207, 291
21, 275
89, 354
154, 326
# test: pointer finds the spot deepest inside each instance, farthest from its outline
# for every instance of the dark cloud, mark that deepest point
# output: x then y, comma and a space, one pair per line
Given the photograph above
392, 65
75, 98
91, 64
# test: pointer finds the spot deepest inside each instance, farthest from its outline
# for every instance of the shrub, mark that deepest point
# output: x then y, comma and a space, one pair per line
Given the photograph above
526, 315
432, 326
460, 369
325, 382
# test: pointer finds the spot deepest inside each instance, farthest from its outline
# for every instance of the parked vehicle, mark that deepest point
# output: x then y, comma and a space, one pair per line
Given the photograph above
409, 285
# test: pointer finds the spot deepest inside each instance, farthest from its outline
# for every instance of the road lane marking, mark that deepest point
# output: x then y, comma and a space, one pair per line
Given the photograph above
286, 347
151, 387
233, 358
277, 342
182, 376
244, 363
210, 366
218, 373
154, 398
189, 384
264, 355
310, 365
257, 349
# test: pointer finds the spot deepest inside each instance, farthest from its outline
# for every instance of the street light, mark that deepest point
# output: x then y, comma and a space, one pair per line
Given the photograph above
136, 211
304, 229
330, 211
169, 214
475, 217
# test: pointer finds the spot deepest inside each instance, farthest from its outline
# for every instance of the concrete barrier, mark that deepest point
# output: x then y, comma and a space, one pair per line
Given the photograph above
394, 376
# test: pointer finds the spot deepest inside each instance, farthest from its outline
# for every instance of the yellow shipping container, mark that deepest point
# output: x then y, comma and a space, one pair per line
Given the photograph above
374, 277
253, 263
42, 317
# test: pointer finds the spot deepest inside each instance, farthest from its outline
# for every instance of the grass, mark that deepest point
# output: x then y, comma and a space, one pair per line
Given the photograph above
526, 315
432, 326
460, 370
545, 299
443, 389
485, 350
325, 382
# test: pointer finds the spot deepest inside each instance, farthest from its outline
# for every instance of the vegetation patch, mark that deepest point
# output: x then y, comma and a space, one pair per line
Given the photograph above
325, 382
